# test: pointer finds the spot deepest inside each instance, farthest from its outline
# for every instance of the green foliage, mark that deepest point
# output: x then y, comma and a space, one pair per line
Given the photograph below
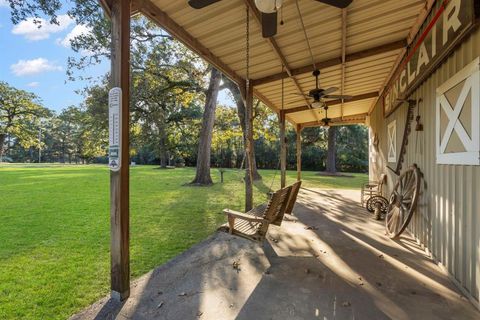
24, 9
20, 116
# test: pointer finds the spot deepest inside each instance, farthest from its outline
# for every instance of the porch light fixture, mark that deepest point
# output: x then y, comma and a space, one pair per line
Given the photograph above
268, 6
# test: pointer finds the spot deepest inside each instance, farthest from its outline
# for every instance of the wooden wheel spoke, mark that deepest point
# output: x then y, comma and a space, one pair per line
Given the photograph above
411, 188
405, 180
393, 218
409, 193
408, 185
402, 202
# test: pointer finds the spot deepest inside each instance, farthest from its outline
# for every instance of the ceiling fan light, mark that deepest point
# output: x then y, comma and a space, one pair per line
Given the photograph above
268, 6
317, 104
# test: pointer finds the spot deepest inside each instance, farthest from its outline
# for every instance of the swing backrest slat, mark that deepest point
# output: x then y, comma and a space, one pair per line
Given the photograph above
275, 206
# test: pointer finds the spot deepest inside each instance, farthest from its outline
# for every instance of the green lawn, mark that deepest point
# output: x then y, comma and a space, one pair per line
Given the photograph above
54, 231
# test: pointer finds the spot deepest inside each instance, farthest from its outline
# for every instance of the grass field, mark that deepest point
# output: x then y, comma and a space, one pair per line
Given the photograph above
54, 230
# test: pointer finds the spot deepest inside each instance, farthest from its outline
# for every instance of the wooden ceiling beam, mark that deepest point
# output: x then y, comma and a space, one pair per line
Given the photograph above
333, 62
276, 50
264, 99
106, 6
357, 119
359, 97
151, 11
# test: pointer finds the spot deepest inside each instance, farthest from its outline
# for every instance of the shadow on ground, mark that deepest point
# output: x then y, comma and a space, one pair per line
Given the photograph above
329, 261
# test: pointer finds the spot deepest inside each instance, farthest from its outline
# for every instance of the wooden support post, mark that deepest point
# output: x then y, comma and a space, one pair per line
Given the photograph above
247, 94
299, 152
283, 152
119, 180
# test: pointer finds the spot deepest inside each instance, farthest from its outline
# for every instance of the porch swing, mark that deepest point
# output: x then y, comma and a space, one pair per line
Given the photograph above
254, 224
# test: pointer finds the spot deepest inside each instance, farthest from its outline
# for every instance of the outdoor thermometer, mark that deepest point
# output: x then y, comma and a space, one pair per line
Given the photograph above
114, 104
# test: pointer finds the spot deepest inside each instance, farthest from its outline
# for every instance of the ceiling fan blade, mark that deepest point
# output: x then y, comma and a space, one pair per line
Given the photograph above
337, 96
342, 4
199, 4
269, 24
329, 90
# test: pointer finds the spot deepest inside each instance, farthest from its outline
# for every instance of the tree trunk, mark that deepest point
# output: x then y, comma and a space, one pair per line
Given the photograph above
202, 176
163, 140
163, 155
332, 150
2, 142
241, 115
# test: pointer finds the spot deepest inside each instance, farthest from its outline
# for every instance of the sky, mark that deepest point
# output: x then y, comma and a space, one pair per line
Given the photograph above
35, 59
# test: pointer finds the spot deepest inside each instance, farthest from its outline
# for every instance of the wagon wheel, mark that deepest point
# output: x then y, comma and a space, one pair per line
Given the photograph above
403, 202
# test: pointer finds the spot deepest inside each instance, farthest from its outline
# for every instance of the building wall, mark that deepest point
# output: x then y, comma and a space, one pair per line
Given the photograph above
447, 220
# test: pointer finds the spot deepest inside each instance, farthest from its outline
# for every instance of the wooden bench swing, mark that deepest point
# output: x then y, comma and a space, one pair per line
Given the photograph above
253, 225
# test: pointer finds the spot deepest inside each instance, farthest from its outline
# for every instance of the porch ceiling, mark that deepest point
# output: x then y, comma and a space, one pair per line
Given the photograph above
376, 32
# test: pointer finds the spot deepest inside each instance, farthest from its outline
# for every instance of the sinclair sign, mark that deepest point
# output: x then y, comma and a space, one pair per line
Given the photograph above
448, 22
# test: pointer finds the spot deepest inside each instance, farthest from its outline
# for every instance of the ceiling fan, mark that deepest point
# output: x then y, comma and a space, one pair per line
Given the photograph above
269, 9
319, 95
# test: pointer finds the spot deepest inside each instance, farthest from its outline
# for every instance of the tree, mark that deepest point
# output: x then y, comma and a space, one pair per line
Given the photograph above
352, 148
202, 176
20, 114
331, 150
167, 82
227, 141
235, 91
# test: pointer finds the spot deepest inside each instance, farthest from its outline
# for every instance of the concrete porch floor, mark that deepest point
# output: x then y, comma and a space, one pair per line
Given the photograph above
330, 261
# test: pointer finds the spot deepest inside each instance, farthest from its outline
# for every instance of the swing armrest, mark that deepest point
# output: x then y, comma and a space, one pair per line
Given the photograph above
243, 216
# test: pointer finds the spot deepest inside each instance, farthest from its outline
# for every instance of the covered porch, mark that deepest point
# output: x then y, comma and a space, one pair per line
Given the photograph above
330, 260
352, 51
347, 267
